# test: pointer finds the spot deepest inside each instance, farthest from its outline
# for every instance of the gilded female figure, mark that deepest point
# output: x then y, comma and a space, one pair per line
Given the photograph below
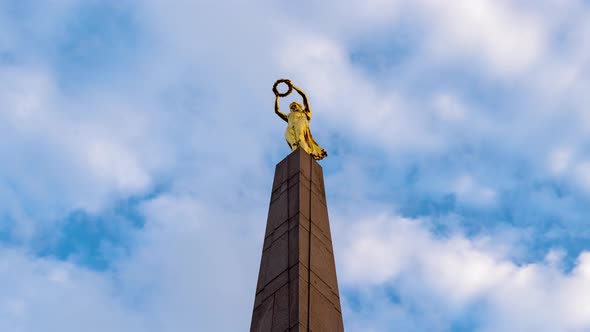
298, 133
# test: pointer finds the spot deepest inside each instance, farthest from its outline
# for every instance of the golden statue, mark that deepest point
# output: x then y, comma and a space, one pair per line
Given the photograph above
298, 133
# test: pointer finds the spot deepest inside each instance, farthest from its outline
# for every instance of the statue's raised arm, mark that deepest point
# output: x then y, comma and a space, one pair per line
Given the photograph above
306, 107
298, 133
278, 110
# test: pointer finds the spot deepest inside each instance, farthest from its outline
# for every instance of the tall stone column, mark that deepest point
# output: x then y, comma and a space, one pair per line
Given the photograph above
297, 287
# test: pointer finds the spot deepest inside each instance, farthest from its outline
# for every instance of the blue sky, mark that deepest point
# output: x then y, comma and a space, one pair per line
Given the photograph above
139, 144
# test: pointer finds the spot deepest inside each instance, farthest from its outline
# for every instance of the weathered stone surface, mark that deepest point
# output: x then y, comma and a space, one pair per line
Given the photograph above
324, 316
297, 287
262, 317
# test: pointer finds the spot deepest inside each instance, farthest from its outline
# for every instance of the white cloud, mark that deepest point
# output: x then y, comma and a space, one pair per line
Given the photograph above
582, 174
560, 160
46, 295
112, 163
50, 147
458, 273
448, 108
567, 163
471, 192
190, 267
181, 210
505, 37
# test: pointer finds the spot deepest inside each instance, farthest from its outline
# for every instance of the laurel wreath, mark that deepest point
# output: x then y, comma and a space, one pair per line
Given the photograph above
289, 84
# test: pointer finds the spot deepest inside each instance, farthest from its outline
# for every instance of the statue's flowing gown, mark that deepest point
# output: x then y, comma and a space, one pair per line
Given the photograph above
298, 134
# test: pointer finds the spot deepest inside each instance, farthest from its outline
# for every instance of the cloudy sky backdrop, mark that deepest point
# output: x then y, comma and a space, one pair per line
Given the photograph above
138, 145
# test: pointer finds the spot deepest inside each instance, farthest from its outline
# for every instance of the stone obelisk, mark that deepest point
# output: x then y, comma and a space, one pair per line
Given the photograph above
297, 287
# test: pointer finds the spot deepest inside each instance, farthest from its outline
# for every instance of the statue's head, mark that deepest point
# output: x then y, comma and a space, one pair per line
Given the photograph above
295, 107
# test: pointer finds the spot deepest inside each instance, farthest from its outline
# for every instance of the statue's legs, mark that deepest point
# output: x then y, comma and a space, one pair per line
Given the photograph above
291, 138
